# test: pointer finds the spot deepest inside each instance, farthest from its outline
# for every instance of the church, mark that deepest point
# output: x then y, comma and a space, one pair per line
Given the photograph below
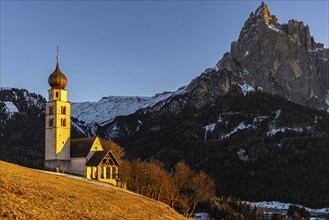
90, 156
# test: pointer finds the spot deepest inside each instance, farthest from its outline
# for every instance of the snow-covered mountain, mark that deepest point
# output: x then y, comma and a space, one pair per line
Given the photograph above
106, 109
87, 116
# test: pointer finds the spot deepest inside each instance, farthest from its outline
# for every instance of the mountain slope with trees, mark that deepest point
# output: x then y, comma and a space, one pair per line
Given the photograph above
256, 147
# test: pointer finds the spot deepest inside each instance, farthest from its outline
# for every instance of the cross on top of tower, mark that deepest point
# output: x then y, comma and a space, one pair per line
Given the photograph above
57, 50
57, 79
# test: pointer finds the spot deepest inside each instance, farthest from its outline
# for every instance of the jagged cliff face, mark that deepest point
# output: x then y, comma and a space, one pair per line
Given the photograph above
278, 59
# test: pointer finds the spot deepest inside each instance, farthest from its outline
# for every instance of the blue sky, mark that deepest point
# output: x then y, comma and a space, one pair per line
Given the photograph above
129, 47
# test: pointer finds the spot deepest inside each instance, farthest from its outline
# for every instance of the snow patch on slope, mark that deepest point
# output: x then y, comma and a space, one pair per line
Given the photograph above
210, 127
273, 131
245, 72
10, 108
77, 127
240, 127
272, 27
207, 129
245, 88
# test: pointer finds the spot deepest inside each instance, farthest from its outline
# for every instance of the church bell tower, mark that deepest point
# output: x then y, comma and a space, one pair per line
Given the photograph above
58, 123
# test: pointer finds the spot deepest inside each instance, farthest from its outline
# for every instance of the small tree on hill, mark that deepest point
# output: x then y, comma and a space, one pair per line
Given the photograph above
179, 180
202, 189
154, 178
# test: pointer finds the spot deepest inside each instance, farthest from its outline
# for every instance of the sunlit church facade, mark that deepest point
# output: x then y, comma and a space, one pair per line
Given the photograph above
90, 156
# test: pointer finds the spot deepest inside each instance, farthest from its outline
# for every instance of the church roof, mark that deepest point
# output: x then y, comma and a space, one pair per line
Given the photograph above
80, 147
98, 156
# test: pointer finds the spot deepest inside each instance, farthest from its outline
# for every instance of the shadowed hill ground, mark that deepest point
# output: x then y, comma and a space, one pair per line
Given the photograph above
31, 194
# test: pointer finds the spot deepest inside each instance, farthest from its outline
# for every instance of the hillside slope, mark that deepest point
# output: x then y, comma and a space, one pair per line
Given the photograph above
31, 194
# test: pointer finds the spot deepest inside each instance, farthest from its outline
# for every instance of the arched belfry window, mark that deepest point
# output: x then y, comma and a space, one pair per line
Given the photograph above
51, 110
56, 94
51, 122
63, 122
63, 110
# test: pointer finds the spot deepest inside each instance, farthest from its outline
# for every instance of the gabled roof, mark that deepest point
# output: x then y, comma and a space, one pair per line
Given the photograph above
80, 147
98, 156
108, 145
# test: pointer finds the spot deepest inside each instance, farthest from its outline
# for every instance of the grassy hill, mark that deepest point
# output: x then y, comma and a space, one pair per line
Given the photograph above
31, 194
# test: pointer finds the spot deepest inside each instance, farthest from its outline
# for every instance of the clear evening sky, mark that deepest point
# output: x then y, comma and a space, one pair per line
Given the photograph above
129, 47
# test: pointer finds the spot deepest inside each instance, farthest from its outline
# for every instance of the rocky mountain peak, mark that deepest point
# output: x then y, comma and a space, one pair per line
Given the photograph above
262, 16
280, 59
263, 13
262, 21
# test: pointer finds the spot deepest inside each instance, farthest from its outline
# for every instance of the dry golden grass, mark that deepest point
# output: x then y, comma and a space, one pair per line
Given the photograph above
30, 194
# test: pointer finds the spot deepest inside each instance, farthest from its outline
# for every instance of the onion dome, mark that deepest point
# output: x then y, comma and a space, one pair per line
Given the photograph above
57, 79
